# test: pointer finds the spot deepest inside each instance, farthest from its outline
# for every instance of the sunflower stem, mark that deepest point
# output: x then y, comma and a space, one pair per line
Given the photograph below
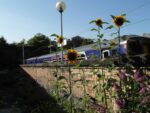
70, 89
119, 55
84, 90
99, 42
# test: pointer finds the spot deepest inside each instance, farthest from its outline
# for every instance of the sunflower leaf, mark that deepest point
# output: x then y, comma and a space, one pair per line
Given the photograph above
101, 26
113, 34
94, 29
112, 16
109, 27
100, 36
105, 22
127, 21
123, 14
54, 35
93, 21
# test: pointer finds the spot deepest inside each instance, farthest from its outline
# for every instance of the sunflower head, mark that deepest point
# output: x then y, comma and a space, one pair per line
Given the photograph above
59, 39
98, 22
119, 20
113, 43
71, 56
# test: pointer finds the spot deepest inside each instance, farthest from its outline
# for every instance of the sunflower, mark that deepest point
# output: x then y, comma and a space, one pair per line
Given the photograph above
98, 22
71, 56
113, 43
119, 20
59, 39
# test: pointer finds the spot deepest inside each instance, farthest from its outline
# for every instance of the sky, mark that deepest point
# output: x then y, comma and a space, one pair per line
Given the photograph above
22, 19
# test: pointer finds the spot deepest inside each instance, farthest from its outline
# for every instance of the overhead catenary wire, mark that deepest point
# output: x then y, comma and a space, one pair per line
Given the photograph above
138, 7
128, 12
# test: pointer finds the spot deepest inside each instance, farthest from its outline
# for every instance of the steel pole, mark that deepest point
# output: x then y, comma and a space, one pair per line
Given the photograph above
61, 20
23, 54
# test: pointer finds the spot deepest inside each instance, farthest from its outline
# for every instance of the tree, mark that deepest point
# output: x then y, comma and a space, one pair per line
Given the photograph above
3, 42
78, 41
21, 43
39, 44
39, 40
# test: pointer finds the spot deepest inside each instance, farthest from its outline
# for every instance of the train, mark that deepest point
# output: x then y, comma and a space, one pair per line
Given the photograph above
135, 49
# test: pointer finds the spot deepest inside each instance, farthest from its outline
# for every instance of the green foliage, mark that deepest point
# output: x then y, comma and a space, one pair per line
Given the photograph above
100, 36
94, 29
93, 21
55, 35
112, 16
78, 41
3, 42
123, 14
21, 43
39, 40
110, 27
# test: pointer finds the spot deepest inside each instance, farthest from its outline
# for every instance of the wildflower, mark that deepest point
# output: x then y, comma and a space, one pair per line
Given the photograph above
98, 108
59, 39
116, 87
119, 20
71, 56
142, 85
113, 43
143, 90
145, 99
120, 103
98, 22
138, 76
122, 74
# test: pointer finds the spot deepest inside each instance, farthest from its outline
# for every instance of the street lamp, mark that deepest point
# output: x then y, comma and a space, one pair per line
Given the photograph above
60, 6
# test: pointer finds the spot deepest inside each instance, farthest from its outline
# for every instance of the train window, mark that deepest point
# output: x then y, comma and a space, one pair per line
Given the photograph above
146, 48
82, 55
134, 47
106, 54
114, 52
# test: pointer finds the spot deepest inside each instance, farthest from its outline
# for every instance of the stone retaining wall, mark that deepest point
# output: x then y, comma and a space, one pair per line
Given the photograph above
46, 77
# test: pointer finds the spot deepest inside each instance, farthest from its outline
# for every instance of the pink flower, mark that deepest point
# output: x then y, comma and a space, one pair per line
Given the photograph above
143, 90
122, 74
120, 103
142, 85
98, 108
138, 76
145, 100
116, 87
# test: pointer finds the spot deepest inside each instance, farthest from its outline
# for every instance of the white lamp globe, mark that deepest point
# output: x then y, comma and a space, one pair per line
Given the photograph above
60, 6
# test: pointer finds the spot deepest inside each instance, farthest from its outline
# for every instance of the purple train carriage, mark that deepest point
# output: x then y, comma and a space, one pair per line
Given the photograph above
132, 48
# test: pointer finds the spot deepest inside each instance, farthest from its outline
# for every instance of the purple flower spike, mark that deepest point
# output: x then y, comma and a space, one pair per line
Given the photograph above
145, 99
98, 108
116, 87
143, 90
142, 78
142, 85
122, 74
120, 103
138, 76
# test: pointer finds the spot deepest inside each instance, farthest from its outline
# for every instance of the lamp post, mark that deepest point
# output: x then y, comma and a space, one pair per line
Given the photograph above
23, 61
60, 6
23, 53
